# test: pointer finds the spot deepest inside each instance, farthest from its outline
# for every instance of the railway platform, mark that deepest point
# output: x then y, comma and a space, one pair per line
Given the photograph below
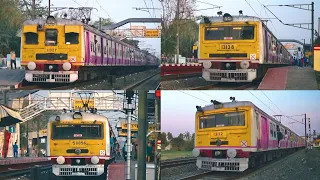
289, 78
117, 170
11, 78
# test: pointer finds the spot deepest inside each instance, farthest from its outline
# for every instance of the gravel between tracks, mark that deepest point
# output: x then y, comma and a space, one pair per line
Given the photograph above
178, 172
121, 82
298, 166
184, 84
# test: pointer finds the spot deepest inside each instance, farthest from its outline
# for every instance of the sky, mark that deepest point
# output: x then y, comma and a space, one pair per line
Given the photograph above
118, 11
286, 14
178, 108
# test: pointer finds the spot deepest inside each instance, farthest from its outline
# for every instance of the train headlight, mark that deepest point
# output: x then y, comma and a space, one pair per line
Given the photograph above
217, 153
32, 66
61, 160
94, 160
244, 64
207, 64
78, 161
195, 152
50, 67
66, 66
228, 65
231, 153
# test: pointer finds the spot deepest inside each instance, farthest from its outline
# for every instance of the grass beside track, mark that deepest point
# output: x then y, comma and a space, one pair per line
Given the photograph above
165, 155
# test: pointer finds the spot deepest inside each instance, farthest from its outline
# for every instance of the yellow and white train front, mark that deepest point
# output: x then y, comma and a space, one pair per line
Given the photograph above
52, 50
79, 146
229, 48
223, 139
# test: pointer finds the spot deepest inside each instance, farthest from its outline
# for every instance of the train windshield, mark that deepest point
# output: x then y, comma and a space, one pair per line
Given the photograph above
77, 131
229, 33
222, 120
51, 37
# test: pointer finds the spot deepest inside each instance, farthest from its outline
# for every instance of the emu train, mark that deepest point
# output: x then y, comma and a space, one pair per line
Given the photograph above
78, 144
64, 51
235, 136
238, 49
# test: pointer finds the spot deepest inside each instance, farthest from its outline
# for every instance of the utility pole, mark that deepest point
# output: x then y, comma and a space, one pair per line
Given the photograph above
129, 111
312, 32
178, 29
305, 129
33, 9
100, 23
5, 151
157, 130
142, 139
309, 131
38, 140
49, 7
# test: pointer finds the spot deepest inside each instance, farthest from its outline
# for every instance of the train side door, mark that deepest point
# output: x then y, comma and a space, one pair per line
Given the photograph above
88, 47
264, 133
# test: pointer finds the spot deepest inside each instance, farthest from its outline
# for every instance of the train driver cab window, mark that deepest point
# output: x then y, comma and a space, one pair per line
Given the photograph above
222, 120
51, 37
72, 38
31, 38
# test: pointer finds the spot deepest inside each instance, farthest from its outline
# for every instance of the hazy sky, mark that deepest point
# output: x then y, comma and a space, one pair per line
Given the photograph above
119, 10
286, 14
178, 108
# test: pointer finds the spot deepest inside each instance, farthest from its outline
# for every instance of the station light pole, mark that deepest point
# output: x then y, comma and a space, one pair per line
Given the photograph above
142, 139
129, 111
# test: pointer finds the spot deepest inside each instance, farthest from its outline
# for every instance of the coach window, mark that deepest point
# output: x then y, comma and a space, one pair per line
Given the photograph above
72, 38
51, 37
31, 38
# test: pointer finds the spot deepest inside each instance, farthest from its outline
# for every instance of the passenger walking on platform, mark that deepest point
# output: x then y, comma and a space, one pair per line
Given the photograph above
300, 56
15, 150
13, 59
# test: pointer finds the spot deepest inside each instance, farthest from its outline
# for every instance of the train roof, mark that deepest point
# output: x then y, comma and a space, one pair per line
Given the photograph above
245, 103
85, 116
235, 19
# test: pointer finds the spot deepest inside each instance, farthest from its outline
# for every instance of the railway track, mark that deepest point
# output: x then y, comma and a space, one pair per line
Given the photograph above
25, 172
177, 162
75, 85
180, 76
224, 86
152, 80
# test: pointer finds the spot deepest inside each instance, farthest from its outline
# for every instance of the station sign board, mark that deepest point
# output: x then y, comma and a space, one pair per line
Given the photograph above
152, 33
78, 103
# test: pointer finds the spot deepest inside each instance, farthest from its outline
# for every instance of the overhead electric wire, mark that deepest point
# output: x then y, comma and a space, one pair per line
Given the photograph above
195, 97
252, 8
272, 102
267, 15
104, 10
262, 102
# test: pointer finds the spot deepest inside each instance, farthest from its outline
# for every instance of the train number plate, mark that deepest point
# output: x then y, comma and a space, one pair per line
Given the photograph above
218, 134
78, 143
227, 46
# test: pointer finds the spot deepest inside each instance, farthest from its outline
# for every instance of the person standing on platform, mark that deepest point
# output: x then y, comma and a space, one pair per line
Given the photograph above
15, 150
13, 59
124, 151
149, 152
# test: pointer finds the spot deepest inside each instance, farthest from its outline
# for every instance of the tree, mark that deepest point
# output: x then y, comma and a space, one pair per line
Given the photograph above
177, 143
318, 137
188, 34
164, 141
169, 135
104, 22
